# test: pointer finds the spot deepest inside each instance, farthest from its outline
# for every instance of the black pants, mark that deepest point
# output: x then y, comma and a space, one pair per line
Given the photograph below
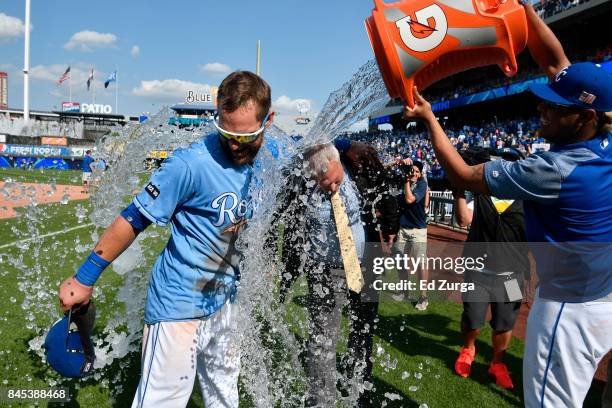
363, 310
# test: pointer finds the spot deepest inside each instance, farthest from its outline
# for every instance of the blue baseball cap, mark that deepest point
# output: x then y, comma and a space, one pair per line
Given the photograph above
69, 350
583, 85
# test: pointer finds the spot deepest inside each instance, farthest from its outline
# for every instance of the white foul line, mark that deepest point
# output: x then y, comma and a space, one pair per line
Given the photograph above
50, 234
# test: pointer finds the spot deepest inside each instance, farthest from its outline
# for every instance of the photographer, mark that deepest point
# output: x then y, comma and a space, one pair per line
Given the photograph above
412, 237
492, 221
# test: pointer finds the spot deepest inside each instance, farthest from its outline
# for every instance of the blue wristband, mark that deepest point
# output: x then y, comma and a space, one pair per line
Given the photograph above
91, 269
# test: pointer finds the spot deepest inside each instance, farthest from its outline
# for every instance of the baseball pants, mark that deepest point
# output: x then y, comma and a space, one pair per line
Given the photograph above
173, 353
564, 342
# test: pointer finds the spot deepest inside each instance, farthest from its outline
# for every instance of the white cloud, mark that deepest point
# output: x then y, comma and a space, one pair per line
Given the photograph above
216, 68
169, 90
10, 28
135, 51
285, 104
89, 40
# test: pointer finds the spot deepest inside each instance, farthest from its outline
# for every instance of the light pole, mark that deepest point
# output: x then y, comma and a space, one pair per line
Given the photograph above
26, 65
258, 55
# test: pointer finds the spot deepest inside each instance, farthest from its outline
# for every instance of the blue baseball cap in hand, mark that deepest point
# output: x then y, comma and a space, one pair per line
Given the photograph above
583, 85
70, 351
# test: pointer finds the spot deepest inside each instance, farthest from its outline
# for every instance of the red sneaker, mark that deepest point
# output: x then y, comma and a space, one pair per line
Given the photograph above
502, 377
463, 365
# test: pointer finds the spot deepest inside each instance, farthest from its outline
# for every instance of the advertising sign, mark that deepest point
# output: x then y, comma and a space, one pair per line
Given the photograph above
71, 107
54, 141
40, 151
96, 108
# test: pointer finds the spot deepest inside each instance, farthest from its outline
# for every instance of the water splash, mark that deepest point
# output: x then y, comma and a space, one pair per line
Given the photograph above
357, 99
272, 373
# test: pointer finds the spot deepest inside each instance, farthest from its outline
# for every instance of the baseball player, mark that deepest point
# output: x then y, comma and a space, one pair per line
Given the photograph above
87, 166
201, 191
567, 195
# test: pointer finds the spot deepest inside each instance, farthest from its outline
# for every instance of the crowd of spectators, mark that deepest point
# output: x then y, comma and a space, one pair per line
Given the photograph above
520, 134
549, 8
526, 72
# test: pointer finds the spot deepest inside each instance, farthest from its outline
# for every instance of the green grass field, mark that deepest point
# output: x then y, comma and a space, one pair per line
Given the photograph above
72, 177
419, 342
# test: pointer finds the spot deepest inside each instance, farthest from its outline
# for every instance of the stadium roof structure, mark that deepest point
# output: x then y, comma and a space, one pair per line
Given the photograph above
193, 107
386, 111
38, 114
82, 115
58, 115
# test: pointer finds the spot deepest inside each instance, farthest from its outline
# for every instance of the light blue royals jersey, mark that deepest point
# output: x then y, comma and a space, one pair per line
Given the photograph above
204, 197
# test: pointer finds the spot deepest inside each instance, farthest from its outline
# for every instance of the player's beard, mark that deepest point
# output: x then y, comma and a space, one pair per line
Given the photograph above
241, 154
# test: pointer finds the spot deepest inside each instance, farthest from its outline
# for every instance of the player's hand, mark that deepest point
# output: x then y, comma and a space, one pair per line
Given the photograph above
73, 293
332, 178
422, 108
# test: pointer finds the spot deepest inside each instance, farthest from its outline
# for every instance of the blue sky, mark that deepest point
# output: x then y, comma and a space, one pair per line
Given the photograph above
162, 48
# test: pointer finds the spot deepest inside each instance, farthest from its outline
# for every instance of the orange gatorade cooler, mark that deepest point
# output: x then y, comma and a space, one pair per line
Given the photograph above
417, 42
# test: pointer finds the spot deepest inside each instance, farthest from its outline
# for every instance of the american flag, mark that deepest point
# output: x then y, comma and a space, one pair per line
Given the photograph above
64, 76
587, 98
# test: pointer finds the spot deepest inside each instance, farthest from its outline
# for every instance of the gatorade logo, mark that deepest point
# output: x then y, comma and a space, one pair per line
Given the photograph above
561, 74
427, 32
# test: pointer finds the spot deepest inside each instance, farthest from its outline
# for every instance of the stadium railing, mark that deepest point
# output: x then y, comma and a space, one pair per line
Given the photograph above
442, 210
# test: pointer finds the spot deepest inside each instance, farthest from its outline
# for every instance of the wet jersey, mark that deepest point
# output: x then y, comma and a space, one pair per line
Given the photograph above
203, 195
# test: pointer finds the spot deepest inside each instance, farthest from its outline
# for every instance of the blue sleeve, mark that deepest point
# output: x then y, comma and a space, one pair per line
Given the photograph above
132, 215
536, 178
419, 190
169, 187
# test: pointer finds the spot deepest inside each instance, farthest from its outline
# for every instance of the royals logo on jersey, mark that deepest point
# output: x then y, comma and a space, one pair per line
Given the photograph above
230, 209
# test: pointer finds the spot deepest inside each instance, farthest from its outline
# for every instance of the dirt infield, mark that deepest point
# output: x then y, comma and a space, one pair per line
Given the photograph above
14, 195
435, 233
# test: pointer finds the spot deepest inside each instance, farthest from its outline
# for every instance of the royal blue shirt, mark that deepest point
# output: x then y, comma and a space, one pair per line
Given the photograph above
203, 195
567, 195
413, 215
87, 160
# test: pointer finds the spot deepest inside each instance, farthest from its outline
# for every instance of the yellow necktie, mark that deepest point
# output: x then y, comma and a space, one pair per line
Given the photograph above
352, 269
